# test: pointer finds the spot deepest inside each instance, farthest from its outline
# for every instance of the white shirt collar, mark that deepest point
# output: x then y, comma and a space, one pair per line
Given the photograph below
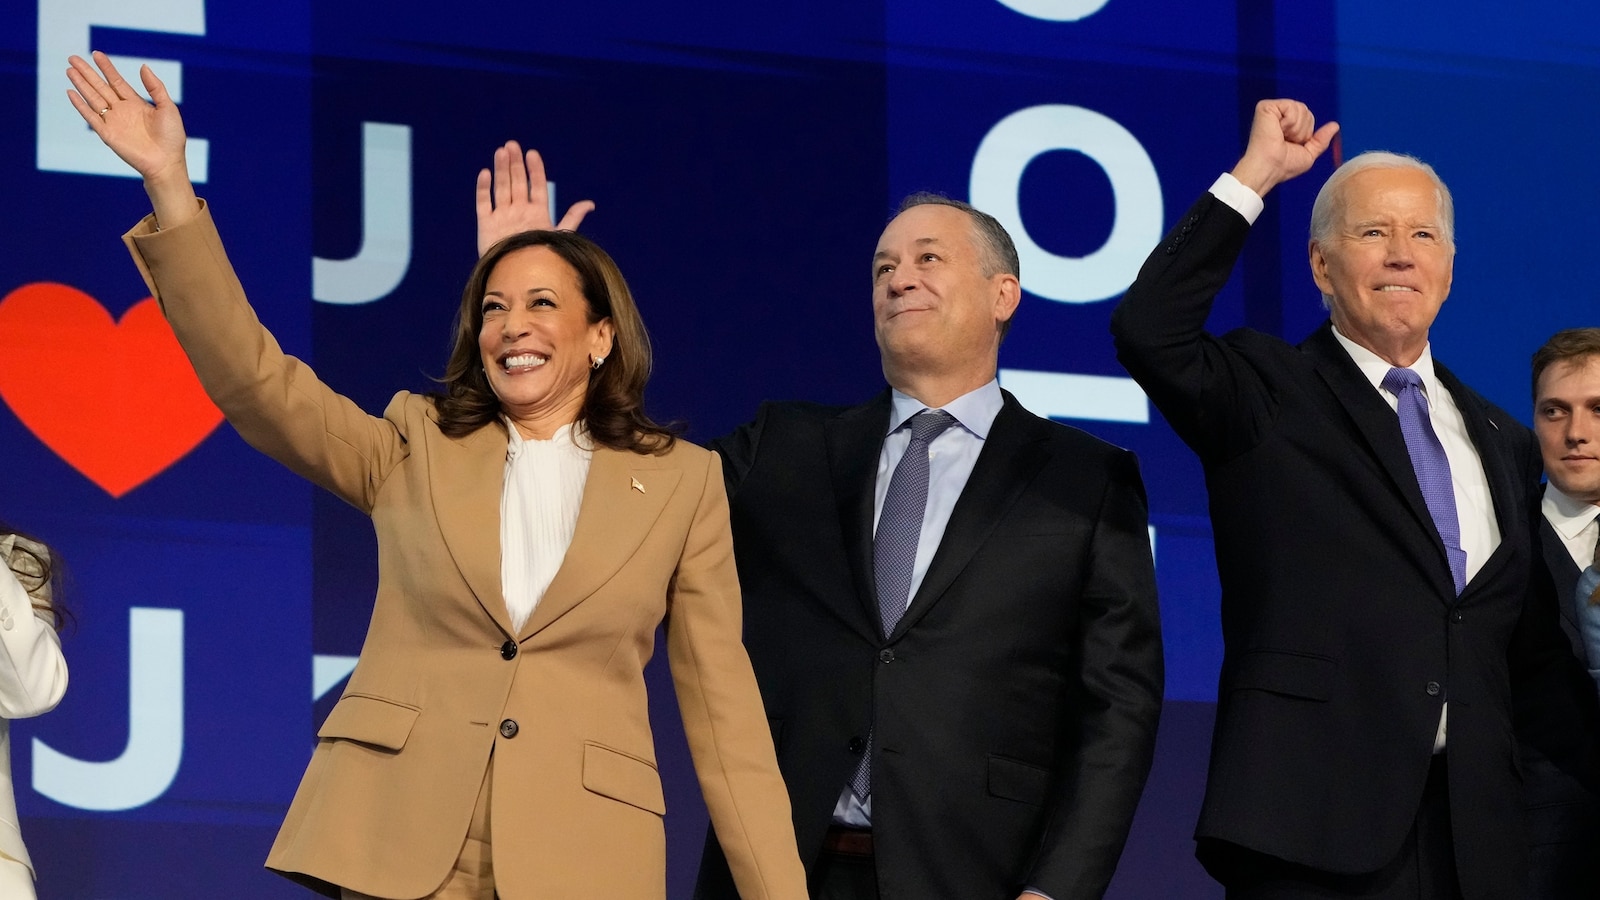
1376, 367
975, 410
1566, 515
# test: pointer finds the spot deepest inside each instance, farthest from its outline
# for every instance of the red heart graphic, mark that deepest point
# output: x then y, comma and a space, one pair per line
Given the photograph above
117, 400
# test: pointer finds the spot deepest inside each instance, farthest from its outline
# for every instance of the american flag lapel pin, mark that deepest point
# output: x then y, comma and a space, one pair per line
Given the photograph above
636, 485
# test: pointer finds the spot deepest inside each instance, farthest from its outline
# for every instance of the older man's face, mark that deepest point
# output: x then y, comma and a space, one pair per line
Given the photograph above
932, 306
1388, 263
1566, 417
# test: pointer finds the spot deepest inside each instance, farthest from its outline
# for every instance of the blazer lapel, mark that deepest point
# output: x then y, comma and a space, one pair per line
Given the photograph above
855, 440
622, 498
1012, 455
466, 477
1379, 428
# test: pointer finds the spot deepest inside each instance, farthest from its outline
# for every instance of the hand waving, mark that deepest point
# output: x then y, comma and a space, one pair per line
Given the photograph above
147, 136
1284, 142
517, 198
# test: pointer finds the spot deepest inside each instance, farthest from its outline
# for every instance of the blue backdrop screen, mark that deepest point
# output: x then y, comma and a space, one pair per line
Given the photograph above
744, 158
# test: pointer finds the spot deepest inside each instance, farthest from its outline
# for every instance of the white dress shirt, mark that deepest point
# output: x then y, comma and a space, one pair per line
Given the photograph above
1480, 531
539, 513
1575, 523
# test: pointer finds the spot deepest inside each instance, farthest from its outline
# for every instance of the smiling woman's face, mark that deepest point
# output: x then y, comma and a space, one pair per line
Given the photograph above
536, 340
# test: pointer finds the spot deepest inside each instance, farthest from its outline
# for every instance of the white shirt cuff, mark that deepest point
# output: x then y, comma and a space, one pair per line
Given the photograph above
1244, 201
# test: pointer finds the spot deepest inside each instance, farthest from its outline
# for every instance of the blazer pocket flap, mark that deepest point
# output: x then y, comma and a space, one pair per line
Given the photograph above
1303, 675
1010, 779
623, 777
370, 720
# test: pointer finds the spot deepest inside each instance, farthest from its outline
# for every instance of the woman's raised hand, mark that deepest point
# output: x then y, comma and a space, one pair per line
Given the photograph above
517, 198
147, 136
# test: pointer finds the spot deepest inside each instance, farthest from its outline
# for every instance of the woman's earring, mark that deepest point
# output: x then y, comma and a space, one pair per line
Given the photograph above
596, 362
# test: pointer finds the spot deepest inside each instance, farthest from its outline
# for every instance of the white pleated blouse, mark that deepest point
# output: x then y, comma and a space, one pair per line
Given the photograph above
539, 512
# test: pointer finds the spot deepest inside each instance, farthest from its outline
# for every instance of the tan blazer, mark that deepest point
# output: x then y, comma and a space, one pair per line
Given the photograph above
577, 804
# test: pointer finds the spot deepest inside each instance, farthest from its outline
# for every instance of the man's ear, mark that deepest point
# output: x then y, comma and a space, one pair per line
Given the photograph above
1008, 294
1319, 268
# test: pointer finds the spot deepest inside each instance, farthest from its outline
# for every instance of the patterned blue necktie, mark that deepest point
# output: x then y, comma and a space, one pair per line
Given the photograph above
894, 546
1431, 465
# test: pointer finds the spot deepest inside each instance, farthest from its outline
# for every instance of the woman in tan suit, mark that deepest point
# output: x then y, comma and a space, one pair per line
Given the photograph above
534, 528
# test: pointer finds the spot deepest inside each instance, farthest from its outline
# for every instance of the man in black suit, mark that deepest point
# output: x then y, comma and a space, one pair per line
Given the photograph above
1370, 514
977, 723
1564, 821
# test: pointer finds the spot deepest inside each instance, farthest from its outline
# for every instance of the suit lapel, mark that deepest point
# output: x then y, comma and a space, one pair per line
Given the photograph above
1012, 455
1379, 428
466, 477
855, 441
1510, 506
1564, 572
622, 498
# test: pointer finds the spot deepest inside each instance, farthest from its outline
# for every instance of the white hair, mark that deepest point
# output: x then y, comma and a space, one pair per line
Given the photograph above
1330, 200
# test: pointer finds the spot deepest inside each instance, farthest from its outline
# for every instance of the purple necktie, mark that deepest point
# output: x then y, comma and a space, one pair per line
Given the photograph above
1431, 465
894, 546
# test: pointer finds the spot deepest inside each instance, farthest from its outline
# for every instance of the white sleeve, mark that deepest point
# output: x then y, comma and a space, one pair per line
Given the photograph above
1244, 201
33, 673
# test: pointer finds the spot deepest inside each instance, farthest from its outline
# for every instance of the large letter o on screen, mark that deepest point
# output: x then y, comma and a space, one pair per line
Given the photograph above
1056, 10
997, 170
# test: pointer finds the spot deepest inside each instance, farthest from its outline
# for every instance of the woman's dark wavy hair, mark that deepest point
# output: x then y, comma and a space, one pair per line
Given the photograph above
35, 570
613, 411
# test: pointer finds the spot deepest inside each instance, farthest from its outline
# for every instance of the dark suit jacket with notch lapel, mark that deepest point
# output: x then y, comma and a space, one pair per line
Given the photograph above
1564, 574
1342, 632
1563, 814
1015, 704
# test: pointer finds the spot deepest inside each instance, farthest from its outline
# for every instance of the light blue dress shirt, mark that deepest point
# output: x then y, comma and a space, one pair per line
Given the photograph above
951, 457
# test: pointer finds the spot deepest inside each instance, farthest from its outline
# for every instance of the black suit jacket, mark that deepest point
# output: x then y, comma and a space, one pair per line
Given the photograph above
1015, 704
1342, 631
1564, 573
1563, 815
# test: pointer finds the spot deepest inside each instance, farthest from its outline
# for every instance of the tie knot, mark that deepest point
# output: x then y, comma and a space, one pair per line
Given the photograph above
929, 424
1399, 379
